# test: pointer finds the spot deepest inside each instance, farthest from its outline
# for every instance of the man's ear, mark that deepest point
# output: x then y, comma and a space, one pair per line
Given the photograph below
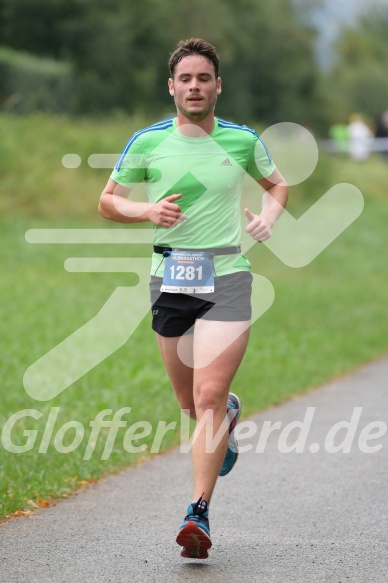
171, 86
219, 86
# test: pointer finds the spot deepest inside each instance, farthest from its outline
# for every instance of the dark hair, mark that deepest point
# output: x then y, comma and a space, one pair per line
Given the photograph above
193, 46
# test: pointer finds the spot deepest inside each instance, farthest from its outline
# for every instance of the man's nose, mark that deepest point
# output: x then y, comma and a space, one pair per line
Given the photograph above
194, 85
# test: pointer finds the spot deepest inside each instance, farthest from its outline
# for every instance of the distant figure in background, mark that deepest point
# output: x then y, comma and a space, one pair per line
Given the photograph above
360, 137
338, 132
381, 131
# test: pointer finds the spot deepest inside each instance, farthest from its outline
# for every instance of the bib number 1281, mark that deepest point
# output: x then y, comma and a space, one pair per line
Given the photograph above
186, 272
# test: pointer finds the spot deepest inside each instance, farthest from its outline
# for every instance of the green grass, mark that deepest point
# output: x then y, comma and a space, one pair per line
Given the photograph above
327, 318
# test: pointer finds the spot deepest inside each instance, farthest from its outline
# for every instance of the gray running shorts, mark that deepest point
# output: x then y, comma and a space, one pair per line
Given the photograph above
175, 314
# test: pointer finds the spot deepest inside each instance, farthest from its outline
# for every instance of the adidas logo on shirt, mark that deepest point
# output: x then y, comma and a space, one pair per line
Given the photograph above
226, 162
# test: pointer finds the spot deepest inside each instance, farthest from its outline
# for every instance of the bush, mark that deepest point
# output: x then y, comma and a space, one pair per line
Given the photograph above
29, 83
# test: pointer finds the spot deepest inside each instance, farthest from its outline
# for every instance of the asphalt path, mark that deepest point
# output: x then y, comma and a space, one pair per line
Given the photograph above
316, 515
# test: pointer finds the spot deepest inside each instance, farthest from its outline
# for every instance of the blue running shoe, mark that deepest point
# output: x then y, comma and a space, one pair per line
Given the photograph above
194, 534
233, 408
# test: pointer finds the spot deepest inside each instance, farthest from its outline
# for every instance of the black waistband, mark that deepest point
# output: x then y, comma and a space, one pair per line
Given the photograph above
214, 250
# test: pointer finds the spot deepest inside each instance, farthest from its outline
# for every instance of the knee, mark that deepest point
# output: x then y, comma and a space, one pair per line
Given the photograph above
209, 396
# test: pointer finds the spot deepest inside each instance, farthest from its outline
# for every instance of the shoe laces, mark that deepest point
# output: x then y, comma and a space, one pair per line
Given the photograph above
200, 508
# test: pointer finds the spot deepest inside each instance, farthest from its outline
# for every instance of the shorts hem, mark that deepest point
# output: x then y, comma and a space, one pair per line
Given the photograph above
170, 333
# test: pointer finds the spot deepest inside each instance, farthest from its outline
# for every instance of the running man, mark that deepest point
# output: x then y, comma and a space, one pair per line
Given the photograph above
193, 166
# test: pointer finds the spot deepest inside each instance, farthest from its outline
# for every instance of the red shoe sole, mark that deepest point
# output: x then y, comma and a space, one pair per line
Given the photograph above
187, 554
194, 540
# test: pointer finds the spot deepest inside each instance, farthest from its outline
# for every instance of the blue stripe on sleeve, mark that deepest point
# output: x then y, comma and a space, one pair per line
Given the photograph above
162, 125
233, 126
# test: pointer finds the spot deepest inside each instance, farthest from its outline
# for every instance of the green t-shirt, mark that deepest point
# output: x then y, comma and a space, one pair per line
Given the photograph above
208, 171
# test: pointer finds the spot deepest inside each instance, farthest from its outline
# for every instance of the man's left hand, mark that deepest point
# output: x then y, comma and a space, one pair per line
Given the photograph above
258, 228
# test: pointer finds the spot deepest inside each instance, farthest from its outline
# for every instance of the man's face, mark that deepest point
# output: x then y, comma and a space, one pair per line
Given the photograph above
195, 87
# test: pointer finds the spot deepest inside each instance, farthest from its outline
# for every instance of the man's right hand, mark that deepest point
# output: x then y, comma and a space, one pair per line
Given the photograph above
166, 213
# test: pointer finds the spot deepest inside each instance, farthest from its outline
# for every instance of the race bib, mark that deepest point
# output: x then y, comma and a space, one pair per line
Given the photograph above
190, 272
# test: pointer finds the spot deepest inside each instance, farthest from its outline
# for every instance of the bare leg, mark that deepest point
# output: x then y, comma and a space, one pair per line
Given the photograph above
204, 390
211, 388
181, 375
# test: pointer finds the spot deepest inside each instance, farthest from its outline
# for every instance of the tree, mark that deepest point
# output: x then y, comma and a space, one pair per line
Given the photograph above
119, 49
37, 26
359, 82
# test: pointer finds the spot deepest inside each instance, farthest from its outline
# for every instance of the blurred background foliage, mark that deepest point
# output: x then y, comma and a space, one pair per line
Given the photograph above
359, 75
83, 57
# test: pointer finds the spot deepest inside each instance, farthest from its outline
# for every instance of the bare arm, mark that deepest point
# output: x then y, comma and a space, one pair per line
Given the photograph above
115, 206
273, 204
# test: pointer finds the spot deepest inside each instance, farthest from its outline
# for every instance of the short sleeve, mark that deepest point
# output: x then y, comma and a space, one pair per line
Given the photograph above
260, 163
130, 169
